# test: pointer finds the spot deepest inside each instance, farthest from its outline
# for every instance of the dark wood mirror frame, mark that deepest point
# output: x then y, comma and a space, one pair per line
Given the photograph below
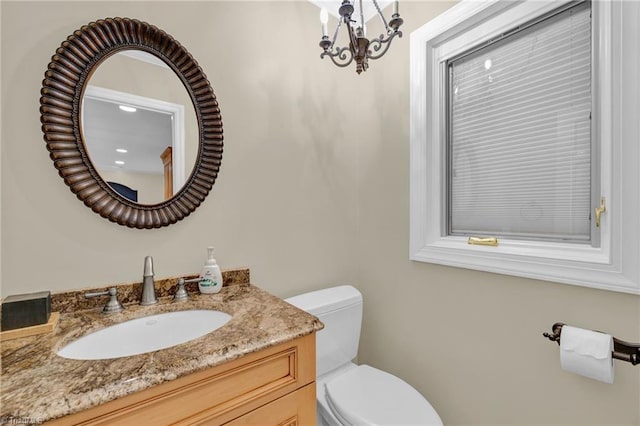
60, 104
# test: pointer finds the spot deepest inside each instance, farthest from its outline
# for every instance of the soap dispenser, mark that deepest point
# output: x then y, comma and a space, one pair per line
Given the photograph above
210, 277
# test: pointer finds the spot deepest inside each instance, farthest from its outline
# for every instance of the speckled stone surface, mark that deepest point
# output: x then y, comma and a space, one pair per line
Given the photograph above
38, 385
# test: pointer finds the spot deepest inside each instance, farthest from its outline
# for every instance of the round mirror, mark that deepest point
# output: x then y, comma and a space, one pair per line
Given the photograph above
172, 134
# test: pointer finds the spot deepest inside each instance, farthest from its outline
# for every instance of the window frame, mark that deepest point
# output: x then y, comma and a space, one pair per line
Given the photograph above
615, 263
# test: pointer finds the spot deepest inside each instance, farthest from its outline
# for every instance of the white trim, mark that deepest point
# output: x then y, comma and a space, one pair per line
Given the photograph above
144, 57
150, 104
615, 265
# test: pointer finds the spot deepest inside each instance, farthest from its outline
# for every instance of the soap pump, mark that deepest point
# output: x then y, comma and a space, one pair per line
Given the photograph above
210, 277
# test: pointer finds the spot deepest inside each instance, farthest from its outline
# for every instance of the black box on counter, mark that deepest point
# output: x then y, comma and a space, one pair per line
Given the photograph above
25, 310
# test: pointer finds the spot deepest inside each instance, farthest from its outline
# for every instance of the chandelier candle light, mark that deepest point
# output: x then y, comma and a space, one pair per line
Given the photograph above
360, 48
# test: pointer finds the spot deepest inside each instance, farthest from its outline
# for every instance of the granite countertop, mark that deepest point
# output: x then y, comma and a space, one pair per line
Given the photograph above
38, 385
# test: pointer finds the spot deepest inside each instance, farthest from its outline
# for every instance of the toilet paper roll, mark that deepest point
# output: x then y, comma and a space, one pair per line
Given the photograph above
587, 352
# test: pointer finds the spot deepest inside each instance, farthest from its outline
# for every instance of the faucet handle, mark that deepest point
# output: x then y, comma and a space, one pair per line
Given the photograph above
181, 292
113, 305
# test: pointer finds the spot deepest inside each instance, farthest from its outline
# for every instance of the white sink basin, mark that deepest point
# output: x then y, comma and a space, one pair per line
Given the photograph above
145, 334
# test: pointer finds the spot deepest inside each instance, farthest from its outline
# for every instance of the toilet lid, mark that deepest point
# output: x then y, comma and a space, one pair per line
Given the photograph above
366, 395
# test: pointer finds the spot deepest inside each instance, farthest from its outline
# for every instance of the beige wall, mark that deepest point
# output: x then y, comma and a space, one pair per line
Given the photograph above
284, 201
313, 191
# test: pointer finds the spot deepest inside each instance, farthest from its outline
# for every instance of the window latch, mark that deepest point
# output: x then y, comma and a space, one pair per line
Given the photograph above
599, 211
483, 241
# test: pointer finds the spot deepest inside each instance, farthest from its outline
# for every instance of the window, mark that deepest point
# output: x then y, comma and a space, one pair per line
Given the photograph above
519, 131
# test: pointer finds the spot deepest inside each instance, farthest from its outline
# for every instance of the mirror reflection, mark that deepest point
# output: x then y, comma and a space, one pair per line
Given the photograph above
139, 127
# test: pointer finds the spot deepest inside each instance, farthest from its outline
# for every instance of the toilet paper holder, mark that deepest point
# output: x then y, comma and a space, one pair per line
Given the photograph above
622, 350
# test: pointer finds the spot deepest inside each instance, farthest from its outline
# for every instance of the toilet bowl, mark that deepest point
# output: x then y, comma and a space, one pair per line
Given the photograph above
351, 394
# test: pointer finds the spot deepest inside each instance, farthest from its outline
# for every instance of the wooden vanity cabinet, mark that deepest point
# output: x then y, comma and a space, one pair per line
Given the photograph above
275, 386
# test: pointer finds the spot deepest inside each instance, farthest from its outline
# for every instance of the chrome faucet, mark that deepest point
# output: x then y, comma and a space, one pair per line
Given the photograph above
148, 284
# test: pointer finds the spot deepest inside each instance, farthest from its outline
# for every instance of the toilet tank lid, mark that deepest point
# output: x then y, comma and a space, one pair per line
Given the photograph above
326, 300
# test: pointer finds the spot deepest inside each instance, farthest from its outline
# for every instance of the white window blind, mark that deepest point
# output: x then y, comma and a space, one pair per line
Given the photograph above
519, 133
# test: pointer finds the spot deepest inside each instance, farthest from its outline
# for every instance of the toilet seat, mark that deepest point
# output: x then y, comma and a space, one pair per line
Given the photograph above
366, 395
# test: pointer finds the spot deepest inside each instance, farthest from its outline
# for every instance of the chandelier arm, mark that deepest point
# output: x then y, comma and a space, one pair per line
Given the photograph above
340, 54
378, 43
384, 21
335, 34
352, 38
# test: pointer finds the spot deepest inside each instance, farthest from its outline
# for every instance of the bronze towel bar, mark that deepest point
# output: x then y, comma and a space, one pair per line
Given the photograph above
622, 350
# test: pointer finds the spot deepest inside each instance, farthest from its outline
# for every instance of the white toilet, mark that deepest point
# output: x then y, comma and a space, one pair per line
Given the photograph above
350, 394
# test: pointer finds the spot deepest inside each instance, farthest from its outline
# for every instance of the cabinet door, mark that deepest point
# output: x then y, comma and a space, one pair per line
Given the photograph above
295, 409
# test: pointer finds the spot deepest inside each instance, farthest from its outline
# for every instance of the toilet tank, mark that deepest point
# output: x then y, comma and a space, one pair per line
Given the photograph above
340, 310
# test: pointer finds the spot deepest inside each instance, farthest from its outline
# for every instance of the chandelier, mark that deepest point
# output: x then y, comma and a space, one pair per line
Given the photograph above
360, 48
